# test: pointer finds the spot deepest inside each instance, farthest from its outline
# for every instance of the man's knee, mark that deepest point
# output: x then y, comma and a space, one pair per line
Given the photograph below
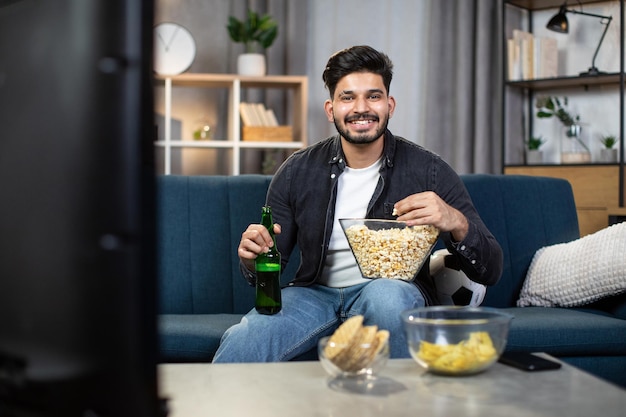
395, 292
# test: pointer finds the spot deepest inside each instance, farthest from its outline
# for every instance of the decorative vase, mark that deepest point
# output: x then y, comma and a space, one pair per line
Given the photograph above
251, 64
573, 149
608, 156
203, 130
534, 156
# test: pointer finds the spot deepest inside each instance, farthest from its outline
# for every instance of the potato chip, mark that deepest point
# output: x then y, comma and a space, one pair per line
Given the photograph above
344, 335
461, 357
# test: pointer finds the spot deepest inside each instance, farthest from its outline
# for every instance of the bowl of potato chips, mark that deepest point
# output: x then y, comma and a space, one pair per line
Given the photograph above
451, 340
389, 248
354, 349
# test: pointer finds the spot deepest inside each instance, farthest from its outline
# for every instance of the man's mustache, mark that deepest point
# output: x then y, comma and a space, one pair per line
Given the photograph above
362, 117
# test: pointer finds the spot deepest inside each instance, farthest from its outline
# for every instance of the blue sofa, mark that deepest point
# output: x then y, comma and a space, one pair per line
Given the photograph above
201, 218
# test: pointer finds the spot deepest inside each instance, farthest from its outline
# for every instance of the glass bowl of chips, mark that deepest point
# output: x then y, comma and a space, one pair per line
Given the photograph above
452, 340
389, 248
354, 350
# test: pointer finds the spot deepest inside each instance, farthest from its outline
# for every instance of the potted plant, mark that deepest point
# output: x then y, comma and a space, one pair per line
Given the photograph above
255, 31
573, 149
534, 155
608, 154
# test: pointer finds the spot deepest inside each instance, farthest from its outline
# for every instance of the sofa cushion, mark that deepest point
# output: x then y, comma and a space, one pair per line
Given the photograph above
565, 332
524, 214
192, 337
200, 221
189, 264
579, 272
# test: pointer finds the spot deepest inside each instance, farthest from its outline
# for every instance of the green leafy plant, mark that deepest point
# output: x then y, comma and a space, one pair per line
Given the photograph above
254, 30
554, 107
549, 106
535, 142
608, 141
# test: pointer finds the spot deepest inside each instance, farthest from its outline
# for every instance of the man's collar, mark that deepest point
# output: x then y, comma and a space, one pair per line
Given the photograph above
389, 149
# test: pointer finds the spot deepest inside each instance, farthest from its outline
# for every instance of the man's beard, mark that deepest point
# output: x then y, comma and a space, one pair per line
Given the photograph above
362, 138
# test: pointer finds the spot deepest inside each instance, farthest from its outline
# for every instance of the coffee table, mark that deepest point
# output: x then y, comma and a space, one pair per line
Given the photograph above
301, 389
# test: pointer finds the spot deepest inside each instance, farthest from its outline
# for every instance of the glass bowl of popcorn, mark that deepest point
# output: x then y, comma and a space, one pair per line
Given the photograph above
389, 248
451, 340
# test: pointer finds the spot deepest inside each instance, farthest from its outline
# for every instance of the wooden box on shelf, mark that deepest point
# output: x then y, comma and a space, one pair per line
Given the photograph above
267, 134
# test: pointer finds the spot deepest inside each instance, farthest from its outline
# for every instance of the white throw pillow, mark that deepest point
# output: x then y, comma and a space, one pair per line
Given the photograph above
578, 272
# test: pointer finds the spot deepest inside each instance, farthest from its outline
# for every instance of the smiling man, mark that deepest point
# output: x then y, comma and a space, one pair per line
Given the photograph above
361, 108
363, 172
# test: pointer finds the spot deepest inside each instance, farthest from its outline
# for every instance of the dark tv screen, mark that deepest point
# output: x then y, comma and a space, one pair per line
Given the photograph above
77, 276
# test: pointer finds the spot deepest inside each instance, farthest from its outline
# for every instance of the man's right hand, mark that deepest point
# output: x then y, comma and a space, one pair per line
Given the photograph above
255, 240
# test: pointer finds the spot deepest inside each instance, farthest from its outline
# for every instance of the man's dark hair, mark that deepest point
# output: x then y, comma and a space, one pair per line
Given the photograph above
356, 59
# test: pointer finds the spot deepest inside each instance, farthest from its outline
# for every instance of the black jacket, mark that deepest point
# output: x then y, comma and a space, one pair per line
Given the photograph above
302, 195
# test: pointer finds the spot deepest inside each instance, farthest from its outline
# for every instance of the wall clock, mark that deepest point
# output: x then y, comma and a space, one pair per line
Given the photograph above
174, 49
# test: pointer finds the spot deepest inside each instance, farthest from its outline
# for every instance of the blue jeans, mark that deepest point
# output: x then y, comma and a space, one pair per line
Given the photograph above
310, 313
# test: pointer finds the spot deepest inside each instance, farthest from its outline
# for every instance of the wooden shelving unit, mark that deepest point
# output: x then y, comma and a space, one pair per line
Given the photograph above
235, 84
599, 189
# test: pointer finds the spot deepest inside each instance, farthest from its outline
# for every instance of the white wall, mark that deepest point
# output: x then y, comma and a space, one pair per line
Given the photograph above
394, 27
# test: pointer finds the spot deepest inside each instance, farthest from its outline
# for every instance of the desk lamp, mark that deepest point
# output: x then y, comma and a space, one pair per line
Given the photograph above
559, 23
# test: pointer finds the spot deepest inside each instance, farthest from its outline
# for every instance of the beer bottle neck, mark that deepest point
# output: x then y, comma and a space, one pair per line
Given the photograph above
268, 222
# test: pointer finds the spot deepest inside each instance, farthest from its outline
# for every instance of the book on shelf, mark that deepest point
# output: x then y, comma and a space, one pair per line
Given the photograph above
260, 125
247, 116
526, 42
271, 117
548, 58
530, 57
259, 109
514, 63
255, 114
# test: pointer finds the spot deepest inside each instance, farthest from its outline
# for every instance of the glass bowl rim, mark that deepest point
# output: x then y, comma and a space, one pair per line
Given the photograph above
363, 219
491, 315
323, 341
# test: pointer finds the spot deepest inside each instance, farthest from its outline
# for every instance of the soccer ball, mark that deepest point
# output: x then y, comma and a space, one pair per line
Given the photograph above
452, 285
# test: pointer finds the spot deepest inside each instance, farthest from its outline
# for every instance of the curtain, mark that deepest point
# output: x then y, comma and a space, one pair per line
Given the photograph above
463, 118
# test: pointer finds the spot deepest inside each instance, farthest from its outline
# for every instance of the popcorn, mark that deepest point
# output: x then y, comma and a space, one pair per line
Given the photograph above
394, 253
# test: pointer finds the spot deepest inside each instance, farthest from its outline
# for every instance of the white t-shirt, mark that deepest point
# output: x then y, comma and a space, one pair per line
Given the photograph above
354, 192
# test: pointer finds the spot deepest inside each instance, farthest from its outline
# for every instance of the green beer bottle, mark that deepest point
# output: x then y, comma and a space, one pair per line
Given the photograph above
268, 300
